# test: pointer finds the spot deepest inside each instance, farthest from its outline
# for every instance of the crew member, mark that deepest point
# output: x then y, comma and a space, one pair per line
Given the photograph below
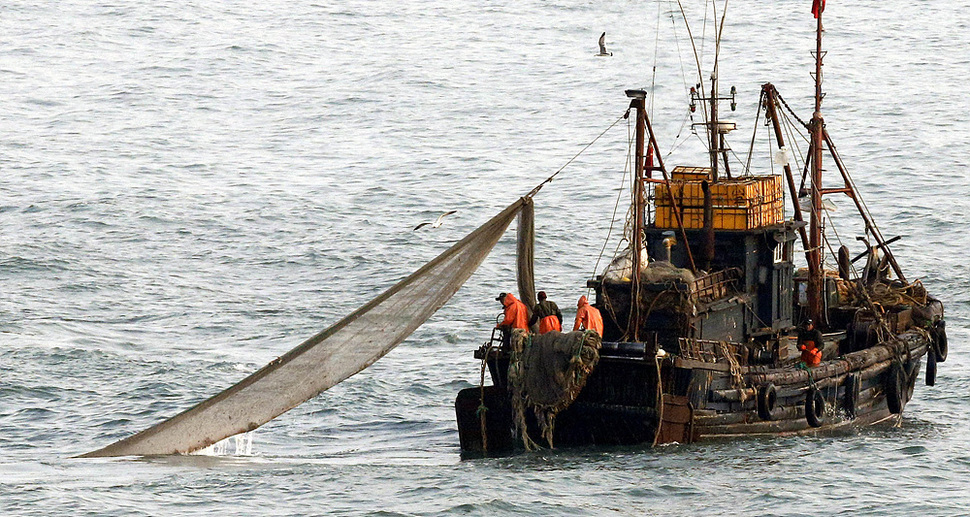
547, 314
516, 313
810, 343
588, 317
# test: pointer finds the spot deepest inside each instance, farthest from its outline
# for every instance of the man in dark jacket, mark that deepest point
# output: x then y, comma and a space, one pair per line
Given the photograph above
811, 344
547, 314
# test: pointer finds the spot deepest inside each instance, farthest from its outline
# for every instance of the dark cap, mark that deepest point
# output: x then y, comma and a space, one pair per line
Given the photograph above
500, 297
541, 295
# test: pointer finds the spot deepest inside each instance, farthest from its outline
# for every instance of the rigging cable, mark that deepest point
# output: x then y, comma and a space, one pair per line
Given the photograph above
680, 54
616, 207
771, 162
704, 30
787, 107
754, 134
872, 223
656, 52
538, 187
872, 227
697, 59
717, 34
680, 131
791, 131
838, 238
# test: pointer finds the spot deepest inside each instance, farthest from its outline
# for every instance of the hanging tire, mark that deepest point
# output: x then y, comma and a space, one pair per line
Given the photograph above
931, 368
814, 407
895, 385
942, 346
912, 375
767, 398
850, 401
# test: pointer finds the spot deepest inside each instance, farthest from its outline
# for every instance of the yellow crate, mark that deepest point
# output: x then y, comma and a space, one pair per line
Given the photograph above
686, 193
691, 218
740, 192
725, 217
691, 173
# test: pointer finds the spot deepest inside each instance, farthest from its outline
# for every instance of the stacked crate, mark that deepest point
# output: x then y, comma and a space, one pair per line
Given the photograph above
738, 204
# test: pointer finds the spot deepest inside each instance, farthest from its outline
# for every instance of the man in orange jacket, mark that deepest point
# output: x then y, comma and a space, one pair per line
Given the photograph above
516, 313
547, 314
810, 343
588, 317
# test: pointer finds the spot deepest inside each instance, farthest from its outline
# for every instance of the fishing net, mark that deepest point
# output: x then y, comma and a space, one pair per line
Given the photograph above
663, 271
347, 347
525, 253
546, 374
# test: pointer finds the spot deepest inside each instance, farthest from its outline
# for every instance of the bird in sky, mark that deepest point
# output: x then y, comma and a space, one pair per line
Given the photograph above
603, 51
436, 223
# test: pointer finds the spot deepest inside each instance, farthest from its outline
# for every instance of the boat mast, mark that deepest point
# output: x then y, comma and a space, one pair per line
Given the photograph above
712, 124
718, 148
770, 99
638, 103
647, 152
816, 127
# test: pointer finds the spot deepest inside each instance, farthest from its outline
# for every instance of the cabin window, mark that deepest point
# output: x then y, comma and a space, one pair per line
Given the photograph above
782, 252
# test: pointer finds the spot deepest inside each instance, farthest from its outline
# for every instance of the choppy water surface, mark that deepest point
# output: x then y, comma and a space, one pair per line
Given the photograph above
190, 189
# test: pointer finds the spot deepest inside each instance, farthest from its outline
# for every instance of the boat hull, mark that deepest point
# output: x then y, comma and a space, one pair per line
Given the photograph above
635, 397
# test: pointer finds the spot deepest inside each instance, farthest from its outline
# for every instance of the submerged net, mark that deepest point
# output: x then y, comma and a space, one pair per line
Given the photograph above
546, 374
347, 347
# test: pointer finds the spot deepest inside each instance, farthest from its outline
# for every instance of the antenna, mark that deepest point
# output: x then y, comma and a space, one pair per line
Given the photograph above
716, 130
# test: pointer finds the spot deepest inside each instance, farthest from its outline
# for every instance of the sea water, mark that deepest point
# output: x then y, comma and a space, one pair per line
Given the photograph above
190, 189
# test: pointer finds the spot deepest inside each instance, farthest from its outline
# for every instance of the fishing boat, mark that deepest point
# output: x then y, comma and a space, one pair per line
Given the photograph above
704, 315
710, 330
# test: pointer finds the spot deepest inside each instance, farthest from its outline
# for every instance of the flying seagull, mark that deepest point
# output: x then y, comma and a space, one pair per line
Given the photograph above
437, 222
603, 51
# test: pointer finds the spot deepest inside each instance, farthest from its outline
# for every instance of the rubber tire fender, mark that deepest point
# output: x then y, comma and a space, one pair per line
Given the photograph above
895, 385
941, 344
767, 399
814, 407
931, 368
850, 401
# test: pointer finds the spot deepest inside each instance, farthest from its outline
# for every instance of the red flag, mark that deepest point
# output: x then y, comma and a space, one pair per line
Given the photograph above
817, 7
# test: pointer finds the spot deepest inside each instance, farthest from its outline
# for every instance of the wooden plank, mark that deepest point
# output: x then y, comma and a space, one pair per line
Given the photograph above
676, 422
